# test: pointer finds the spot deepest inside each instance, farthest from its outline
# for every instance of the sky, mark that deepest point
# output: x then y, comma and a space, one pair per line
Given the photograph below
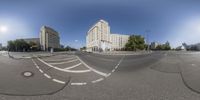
176, 21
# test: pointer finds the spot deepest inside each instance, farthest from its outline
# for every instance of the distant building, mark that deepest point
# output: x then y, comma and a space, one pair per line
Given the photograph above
99, 38
193, 47
119, 41
153, 45
182, 48
49, 38
198, 46
1, 46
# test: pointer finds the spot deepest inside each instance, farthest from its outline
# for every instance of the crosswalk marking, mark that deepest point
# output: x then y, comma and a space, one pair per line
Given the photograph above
64, 62
60, 59
73, 66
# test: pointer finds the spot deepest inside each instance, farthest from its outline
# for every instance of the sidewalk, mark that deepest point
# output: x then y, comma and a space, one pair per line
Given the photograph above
124, 52
27, 55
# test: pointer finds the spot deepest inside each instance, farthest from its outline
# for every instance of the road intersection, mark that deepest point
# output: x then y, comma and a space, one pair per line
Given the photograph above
72, 76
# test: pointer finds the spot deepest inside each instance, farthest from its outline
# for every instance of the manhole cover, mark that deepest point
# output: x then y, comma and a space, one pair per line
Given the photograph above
27, 74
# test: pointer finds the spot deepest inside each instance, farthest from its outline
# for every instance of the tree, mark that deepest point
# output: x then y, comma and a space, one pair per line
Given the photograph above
18, 45
135, 42
11, 46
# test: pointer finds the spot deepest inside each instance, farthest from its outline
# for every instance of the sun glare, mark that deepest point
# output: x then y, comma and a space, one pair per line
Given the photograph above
3, 29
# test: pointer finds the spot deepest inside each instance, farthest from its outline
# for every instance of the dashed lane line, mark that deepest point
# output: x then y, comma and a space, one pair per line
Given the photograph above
94, 70
115, 67
83, 83
37, 67
193, 64
64, 62
47, 76
41, 71
74, 66
113, 70
64, 70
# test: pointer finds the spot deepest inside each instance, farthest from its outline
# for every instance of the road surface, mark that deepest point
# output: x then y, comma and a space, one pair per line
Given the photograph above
87, 76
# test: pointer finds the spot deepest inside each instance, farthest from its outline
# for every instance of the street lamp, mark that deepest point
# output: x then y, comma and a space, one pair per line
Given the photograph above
146, 36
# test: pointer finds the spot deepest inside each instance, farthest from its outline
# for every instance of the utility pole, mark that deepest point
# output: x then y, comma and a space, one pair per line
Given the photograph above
147, 39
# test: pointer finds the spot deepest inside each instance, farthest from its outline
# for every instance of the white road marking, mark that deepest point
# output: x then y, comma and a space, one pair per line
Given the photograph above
64, 62
94, 70
72, 71
61, 59
116, 67
64, 70
37, 67
45, 63
84, 83
113, 70
58, 81
108, 74
98, 80
47, 76
41, 71
73, 66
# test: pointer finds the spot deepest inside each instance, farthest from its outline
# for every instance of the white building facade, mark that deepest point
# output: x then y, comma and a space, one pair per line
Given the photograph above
100, 39
119, 41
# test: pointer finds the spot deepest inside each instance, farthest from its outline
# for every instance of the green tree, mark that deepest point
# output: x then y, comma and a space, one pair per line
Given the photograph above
18, 45
11, 46
135, 42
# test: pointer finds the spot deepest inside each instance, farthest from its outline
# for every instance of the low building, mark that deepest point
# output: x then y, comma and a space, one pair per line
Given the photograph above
119, 41
192, 47
198, 46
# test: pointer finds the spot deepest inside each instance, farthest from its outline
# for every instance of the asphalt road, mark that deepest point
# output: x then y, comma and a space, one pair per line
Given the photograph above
87, 76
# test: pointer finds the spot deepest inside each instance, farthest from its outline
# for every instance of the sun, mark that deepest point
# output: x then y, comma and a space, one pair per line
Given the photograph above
3, 29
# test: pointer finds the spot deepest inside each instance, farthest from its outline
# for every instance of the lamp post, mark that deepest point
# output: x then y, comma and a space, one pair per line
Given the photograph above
147, 40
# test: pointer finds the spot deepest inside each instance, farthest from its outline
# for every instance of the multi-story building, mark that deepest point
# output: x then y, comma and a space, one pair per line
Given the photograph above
49, 38
99, 38
119, 41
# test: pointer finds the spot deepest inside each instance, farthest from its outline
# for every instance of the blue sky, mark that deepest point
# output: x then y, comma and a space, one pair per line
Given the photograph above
175, 21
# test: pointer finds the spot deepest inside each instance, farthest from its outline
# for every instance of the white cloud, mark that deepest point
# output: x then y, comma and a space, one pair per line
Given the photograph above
76, 40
